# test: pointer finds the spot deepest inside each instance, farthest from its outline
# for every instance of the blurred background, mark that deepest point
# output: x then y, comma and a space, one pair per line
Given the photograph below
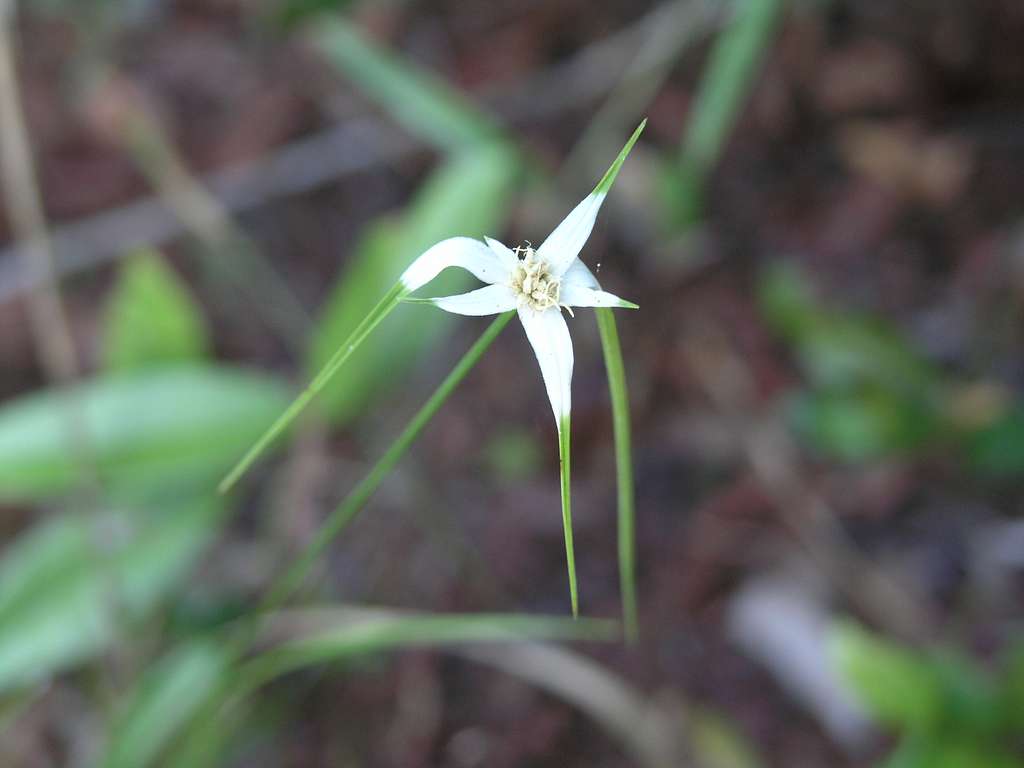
822, 225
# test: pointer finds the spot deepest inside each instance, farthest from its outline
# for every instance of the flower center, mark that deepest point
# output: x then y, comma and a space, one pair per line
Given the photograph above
533, 282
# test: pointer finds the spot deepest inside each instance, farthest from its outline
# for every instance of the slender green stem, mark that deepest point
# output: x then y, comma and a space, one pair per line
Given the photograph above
565, 467
623, 469
378, 313
359, 495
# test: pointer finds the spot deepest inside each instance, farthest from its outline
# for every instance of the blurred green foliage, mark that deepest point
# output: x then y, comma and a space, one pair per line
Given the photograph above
946, 710
170, 692
73, 583
725, 84
717, 743
513, 454
872, 395
172, 427
422, 103
151, 318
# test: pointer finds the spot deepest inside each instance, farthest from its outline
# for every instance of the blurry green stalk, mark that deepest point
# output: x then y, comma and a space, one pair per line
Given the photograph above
293, 578
331, 367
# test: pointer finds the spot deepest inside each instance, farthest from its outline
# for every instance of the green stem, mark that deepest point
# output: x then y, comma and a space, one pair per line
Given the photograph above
359, 495
623, 469
378, 313
564, 466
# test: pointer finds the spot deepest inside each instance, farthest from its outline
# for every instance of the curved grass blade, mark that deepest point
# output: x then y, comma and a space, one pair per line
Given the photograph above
378, 313
623, 469
361, 631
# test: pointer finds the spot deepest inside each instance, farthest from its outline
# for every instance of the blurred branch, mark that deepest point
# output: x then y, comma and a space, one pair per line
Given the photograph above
298, 167
611, 62
232, 255
24, 205
351, 147
774, 461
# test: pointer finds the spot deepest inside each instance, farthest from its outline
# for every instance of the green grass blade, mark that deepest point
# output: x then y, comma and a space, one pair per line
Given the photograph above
723, 91
355, 501
424, 104
331, 367
623, 468
565, 468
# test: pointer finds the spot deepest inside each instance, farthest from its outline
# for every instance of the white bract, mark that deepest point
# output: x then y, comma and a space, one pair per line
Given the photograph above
537, 283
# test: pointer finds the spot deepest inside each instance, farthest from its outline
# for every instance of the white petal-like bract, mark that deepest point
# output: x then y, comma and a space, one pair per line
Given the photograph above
564, 244
462, 252
549, 337
579, 274
576, 295
489, 300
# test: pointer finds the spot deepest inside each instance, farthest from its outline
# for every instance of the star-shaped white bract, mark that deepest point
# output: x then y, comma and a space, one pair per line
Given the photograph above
536, 283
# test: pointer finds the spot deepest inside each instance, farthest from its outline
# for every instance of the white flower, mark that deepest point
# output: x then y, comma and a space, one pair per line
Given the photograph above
537, 283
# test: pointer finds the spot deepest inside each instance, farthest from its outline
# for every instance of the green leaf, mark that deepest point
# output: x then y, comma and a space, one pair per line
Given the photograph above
865, 424
996, 450
898, 686
151, 319
166, 698
425, 105
170, 427
68, 585
288, 13
466, 196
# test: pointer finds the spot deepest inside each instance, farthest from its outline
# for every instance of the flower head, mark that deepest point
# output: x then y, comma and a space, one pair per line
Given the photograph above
537, 283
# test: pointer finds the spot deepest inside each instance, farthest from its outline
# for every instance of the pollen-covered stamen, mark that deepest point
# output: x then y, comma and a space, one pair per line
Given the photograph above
533, 283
